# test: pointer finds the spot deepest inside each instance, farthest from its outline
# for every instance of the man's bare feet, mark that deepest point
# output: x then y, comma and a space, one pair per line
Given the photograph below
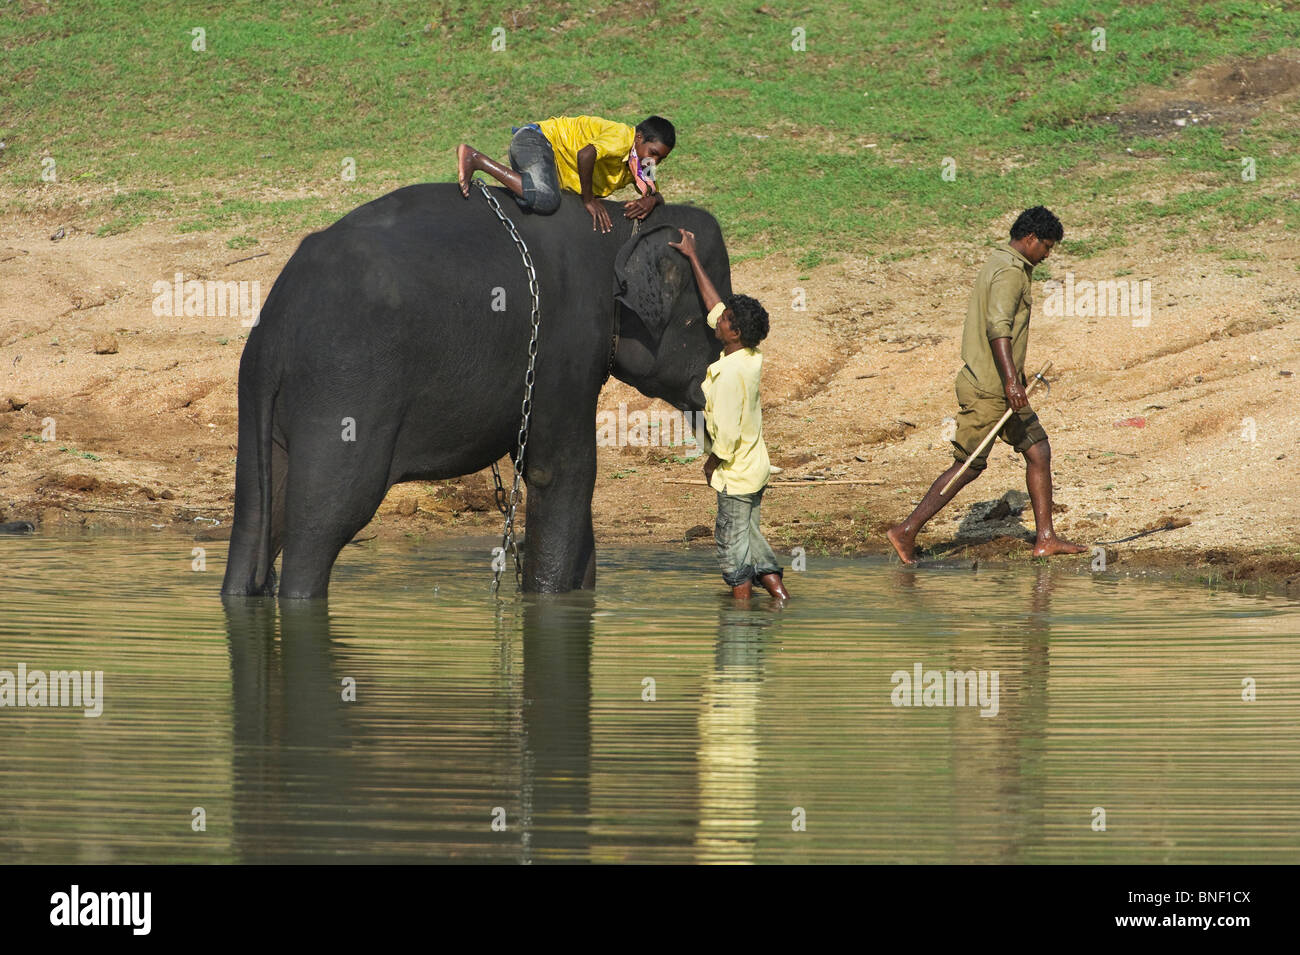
465, 156
1052, 545
905, 545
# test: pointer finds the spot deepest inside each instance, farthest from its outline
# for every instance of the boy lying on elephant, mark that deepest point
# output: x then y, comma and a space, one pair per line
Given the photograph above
737, 466
584, 154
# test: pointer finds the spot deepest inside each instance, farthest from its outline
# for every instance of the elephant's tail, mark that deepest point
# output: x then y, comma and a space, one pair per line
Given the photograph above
249, 564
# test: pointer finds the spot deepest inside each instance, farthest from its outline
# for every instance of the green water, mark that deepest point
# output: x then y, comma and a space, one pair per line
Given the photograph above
1113, 693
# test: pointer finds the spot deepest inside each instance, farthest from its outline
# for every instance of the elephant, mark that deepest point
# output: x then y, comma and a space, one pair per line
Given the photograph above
393, 347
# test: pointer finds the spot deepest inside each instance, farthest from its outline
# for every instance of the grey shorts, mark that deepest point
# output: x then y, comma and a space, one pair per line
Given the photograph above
533, 158
742, 551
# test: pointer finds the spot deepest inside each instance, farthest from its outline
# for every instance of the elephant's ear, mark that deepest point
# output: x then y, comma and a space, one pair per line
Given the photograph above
649, 275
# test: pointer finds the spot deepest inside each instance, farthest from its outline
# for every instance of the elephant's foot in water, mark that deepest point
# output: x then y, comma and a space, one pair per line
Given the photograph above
551, 574
560, 548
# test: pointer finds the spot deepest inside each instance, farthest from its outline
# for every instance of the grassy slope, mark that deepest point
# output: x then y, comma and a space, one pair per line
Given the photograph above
254, 130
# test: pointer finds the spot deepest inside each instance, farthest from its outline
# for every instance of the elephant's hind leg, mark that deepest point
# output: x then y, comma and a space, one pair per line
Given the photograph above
329, 497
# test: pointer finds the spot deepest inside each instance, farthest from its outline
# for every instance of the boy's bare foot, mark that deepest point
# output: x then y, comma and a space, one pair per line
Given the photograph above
1052, 545
905, 545
743, 592
465, 156
773, 585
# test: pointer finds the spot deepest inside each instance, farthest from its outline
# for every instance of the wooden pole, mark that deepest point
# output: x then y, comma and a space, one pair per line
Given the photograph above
776, 483
988, 438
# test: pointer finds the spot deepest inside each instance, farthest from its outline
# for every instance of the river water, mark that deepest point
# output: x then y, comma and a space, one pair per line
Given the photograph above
418, 718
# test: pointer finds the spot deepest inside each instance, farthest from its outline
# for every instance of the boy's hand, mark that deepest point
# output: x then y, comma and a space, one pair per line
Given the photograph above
687, 246
639, 208
710, 465
599, 217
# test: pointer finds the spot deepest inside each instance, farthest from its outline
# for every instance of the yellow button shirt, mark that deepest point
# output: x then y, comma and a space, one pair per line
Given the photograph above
734, 418
613, 141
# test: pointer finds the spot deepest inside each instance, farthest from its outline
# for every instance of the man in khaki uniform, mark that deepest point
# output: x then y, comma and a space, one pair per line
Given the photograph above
993, 346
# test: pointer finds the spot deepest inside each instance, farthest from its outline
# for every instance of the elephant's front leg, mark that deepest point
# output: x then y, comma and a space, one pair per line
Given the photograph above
560, 551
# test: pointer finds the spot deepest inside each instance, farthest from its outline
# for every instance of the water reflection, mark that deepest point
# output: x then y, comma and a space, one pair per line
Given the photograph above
304, 779
997, 768
556, 708
729, 746
295, 789
417, 719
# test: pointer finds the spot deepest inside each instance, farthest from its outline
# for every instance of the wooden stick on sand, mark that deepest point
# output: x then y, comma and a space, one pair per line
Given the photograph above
777, 483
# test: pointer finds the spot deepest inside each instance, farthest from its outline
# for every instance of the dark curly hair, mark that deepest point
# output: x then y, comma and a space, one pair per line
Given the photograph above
1039, 221
656, 129
748, 318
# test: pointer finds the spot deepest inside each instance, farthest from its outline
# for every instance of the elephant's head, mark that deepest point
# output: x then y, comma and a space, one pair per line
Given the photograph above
665, 345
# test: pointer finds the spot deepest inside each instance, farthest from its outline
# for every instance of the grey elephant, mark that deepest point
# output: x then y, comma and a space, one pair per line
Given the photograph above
393, 347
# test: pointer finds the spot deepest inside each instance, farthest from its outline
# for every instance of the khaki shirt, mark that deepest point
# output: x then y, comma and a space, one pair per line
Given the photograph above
734, 418
999, 308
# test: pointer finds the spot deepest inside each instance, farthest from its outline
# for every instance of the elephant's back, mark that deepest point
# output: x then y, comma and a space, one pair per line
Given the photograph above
429, 226
422, 201
414, 283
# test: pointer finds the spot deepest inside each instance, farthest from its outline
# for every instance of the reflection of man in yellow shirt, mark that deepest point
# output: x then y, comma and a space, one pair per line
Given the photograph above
584, 154
737, 466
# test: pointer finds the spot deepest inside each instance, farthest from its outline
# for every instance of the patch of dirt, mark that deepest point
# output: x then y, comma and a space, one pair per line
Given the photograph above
1221, 94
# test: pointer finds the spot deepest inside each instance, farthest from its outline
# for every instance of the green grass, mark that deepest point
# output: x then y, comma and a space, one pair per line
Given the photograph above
254, 131
81, 454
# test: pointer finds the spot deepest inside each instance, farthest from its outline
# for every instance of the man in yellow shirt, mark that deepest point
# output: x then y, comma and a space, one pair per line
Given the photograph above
584, 154
737, 466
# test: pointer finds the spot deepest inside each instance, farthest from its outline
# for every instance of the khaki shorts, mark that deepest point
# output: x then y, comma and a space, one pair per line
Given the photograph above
979, 412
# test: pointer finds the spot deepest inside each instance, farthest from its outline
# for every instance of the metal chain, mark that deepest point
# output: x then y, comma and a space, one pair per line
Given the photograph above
499, 490
508, 541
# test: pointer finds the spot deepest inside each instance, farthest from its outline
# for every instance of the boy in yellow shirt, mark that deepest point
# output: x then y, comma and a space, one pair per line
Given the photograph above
737, 466
584, 154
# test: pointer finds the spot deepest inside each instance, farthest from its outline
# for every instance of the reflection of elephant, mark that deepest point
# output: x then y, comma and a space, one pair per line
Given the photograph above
556, 723
401, 776
393, 348
295, 789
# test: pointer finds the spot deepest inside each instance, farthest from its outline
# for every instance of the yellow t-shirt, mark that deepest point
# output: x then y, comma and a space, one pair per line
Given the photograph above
734, 418
613, 141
